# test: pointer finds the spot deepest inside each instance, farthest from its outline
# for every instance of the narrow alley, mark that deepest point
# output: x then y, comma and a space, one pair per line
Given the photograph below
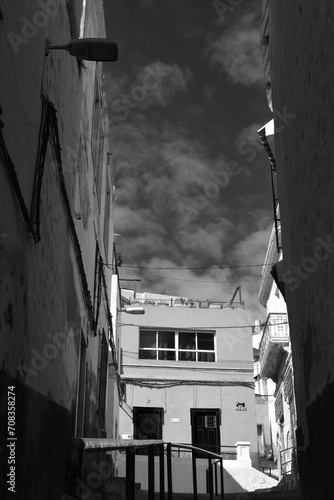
166, 250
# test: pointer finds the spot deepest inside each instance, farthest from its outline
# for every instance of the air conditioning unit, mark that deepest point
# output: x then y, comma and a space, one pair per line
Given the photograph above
126, 436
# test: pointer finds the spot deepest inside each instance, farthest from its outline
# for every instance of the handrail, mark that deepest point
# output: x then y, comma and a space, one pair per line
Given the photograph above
80, 446
292, 461
195, 448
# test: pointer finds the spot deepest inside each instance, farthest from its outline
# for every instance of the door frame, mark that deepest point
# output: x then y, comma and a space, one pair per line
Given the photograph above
206, 412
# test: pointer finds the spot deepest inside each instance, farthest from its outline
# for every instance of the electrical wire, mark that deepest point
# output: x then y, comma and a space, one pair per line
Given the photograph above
166, 384
199, 280
211, 327
222, 266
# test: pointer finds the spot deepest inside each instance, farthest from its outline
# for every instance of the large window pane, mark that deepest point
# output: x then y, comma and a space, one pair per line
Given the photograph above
147, 354
187, 340
166, 339
147, 338
187, 356
205, 341
166, 355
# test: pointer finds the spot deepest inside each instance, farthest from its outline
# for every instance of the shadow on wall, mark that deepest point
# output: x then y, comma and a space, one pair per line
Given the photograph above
40, 440
181, 473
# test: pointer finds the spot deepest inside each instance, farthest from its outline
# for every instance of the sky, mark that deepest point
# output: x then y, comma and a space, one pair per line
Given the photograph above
185, 100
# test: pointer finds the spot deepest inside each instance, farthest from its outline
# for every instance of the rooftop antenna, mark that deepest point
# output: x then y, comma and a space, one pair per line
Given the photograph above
238, 289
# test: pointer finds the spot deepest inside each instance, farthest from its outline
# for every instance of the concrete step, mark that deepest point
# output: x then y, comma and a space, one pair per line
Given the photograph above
118, 484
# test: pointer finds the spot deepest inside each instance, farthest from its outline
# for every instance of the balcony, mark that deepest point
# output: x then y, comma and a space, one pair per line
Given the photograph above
275, 339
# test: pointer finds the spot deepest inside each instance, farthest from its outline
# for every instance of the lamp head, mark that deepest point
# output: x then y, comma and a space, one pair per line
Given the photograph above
133, 310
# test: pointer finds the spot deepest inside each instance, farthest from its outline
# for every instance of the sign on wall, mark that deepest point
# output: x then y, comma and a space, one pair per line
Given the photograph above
240, 406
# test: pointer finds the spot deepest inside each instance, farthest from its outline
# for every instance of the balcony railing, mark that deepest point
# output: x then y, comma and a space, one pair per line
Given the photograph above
275, 337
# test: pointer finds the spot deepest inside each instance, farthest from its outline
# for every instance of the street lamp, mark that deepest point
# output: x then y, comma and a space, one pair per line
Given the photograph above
132, 310
90, 49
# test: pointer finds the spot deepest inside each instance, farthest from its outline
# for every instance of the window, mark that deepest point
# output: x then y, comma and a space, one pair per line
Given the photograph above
103, 375
98, 132
177, 345
107, 222
97, 286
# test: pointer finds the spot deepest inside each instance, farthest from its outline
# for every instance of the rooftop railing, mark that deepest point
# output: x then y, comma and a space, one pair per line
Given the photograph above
179, 302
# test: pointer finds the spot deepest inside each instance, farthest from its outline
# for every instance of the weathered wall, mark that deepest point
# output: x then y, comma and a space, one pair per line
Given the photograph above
37, 281
42, 307
303, 73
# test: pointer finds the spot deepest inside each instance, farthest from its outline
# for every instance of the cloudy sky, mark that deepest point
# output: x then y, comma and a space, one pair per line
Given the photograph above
192, 180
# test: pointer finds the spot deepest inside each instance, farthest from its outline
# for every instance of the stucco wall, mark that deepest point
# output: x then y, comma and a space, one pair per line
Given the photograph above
218, 385
302, 75
42, 307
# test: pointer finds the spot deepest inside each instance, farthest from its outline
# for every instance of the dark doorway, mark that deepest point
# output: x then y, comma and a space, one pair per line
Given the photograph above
205, 430
147, 424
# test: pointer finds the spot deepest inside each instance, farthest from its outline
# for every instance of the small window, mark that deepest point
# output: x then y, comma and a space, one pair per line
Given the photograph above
147, 339
187, 340
209, 357
187, 356
166, 339
166, 355
205, 342
210, 421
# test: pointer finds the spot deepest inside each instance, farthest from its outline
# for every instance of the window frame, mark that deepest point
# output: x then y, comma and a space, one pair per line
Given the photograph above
103, 377
177, 350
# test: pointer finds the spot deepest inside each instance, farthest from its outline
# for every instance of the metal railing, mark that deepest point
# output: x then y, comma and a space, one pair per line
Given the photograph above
289, 464
227, 452
190, 303
83, 446
212, 478
276, 329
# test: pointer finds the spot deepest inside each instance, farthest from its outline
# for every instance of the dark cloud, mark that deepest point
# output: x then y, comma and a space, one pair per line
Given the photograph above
172, 149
